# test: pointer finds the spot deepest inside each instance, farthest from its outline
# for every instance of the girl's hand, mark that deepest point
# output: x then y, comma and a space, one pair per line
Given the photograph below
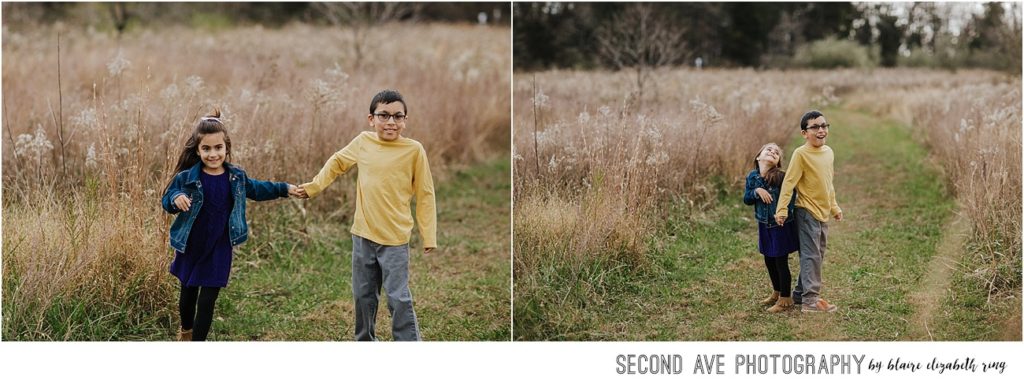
183, 202
427, 250
764, 195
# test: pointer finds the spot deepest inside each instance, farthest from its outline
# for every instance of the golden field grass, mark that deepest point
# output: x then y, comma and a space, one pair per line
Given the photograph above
85, 253
580, 142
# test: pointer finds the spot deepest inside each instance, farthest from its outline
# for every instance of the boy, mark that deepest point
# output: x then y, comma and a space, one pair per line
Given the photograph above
810, 172
392, 169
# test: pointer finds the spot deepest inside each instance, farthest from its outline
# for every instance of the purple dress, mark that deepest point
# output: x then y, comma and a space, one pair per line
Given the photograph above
775, 241
207, 258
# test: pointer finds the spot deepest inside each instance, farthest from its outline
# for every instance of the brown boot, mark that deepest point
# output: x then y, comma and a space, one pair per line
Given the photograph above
783, 304
184, 335
771, 299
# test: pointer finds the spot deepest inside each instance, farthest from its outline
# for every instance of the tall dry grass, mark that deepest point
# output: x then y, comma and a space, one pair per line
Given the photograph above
84, 167
971, 124
583, 149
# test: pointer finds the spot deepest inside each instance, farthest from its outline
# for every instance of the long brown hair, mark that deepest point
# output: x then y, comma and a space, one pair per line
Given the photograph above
189, 156
774, 175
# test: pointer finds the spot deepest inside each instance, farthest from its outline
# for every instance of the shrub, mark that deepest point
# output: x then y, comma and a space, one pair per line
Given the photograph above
832, 53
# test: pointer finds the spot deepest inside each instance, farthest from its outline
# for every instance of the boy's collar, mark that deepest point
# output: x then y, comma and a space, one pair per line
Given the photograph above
373, 136
812, 148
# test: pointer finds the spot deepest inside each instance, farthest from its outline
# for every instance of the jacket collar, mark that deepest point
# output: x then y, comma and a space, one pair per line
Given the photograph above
756, 174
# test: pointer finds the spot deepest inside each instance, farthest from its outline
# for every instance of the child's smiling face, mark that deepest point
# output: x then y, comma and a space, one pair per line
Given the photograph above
816, 132
388, 120
212, 151
770, 153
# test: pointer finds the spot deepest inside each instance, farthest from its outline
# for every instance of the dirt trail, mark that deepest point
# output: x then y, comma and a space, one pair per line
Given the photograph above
935, 283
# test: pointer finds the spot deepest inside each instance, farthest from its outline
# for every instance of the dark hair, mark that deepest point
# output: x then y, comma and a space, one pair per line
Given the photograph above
387, 96
807, 117
189, 156
775, 175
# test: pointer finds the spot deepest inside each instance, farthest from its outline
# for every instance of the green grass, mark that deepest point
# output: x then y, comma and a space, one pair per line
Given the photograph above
286, 287
707, 276
969, 313
81, 317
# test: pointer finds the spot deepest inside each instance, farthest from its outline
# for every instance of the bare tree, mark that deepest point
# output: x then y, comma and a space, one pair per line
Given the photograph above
359, 17
641, 39
119, 15
1012, 37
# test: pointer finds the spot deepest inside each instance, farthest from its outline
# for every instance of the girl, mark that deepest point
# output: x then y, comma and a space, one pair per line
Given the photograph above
208, 194
774, 242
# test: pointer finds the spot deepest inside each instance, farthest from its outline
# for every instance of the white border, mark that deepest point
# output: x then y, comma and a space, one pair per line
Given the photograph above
541, 362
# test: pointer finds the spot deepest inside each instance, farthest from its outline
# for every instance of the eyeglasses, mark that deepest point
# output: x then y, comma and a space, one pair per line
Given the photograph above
816, 127
384, 117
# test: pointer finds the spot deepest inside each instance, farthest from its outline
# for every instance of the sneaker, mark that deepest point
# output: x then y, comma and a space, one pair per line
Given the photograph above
820, 306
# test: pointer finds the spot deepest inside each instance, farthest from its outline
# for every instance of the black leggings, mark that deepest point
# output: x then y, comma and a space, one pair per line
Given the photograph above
198, 321
778, 271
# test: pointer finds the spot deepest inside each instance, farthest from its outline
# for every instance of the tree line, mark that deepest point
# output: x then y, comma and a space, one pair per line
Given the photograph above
768, 35
123, 16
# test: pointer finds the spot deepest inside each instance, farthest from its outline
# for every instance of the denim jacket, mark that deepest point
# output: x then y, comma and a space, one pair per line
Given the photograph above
242, 187
764, 213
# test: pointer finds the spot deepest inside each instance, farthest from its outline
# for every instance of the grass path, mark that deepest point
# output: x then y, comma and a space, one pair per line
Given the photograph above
708, 276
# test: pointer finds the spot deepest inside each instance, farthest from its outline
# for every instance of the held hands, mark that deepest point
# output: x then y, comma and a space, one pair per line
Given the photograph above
182, 202
764, 195
782, 219
299, 192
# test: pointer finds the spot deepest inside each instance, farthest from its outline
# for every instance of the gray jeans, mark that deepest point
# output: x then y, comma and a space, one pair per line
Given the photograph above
813, 235
374, 265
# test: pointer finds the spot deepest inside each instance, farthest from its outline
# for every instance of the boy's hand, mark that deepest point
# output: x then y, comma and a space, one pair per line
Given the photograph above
780, 220
295, 191
183, 202
764, 195
427, 250
839, 216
